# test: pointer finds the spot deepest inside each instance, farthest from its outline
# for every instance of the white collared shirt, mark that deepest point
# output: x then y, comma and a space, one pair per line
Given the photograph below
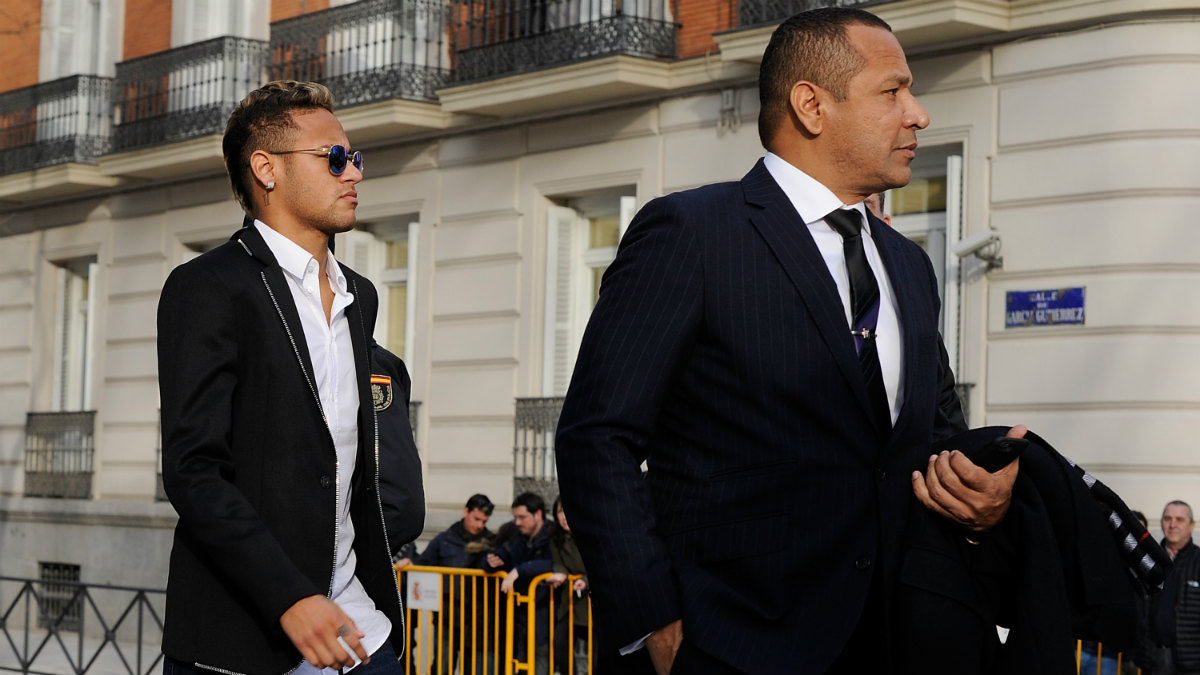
332, 355
813, 201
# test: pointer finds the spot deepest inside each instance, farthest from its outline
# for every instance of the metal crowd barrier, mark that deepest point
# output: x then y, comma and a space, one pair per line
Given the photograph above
459, 621
1124, 666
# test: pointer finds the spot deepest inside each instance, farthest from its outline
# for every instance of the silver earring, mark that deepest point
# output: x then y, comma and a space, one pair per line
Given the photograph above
271, 185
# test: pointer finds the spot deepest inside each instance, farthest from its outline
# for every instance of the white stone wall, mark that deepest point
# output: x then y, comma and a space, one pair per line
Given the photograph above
1096, 183
1078, 148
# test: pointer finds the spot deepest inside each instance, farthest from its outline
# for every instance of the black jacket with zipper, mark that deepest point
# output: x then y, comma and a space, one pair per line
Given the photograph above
249, 464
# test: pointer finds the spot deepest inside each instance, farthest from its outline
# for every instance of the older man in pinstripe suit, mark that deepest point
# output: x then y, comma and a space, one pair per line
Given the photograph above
772, 351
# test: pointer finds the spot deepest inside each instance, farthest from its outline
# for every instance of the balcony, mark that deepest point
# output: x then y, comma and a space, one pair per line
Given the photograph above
916, 25
382, 59
59, 448
50, 136
171, 107
514, 56
534, 426
758, 12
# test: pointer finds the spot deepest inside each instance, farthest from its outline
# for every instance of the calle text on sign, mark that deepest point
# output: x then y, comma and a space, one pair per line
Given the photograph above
1053, 307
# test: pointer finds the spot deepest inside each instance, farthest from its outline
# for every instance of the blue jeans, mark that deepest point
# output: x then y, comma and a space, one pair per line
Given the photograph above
1087, 661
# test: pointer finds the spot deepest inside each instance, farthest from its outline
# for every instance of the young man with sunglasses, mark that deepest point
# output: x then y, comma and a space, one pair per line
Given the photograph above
281, 558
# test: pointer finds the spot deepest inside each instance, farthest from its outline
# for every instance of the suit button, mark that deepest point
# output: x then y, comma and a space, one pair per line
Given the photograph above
326, 481
862, 563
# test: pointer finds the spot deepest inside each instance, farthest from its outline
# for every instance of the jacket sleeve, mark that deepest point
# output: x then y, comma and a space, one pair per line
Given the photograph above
539, 564
948, 418
556, 554
643, 327
198, 352
432, 555
401, 491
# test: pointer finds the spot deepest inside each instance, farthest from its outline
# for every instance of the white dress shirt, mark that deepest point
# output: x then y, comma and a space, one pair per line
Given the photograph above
813, 201
332, 356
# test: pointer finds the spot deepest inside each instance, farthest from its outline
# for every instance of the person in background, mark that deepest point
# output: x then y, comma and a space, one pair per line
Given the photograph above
522, 558
571, 603
464, 543
874, 204
1175, 610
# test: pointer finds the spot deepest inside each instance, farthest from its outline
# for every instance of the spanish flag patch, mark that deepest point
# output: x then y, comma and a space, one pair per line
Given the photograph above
381, 391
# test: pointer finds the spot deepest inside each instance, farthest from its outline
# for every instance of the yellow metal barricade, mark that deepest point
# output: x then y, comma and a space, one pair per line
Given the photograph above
459, 621
527, 603
1123, 664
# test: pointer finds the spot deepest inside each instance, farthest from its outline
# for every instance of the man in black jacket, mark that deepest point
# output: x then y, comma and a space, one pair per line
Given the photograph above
463, 543
281, 560
522, 558
1175, 610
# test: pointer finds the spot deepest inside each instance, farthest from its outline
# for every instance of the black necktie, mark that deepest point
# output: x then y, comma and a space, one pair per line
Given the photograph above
864, 308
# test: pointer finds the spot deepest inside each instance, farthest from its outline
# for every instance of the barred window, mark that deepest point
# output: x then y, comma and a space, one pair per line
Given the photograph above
60, 603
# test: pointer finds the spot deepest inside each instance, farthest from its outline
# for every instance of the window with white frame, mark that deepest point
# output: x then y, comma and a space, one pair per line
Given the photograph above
386, 253
200, 20
75, 305
74, 38
387, 41
582, 237
928, 211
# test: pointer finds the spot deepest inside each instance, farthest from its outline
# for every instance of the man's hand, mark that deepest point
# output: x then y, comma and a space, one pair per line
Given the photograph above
955, 488
494, 560
509, 580
579, 585
314, 624
402, 563
556, 579
663, 645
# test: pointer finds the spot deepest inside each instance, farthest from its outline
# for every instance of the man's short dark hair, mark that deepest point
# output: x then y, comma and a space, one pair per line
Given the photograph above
810, 46
263, 121
531, 501
478, 501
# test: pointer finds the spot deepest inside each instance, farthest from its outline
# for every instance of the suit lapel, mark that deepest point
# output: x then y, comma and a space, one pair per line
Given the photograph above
789, 239
368, 437
281, 297
888, 242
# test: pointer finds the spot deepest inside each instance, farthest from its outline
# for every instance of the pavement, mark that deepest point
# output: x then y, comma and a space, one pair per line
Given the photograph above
67, 654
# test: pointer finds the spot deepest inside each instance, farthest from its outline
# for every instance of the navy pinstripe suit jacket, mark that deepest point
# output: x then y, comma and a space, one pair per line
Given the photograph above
719, 353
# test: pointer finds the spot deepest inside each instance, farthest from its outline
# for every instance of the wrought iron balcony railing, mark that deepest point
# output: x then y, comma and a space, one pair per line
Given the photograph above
493, 38
63, 626
65, 120
534, 425
366, 51
59, 448
757, 12
185, 92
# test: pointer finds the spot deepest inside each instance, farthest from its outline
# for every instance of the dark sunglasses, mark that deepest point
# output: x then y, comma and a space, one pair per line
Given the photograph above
337, 154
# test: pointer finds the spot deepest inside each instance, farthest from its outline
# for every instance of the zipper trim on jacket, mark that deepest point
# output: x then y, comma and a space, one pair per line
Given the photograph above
337, 465
387, 546
215, 669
